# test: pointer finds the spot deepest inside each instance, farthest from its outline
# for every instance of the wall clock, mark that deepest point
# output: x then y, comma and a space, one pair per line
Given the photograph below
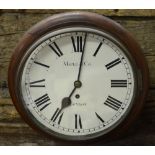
78, 76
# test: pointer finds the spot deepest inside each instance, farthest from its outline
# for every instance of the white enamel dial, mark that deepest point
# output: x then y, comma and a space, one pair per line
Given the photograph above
50, 70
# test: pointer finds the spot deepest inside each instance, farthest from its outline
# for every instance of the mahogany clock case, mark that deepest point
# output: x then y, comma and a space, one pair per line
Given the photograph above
84, 19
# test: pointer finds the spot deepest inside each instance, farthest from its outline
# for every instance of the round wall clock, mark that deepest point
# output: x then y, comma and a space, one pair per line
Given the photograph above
78, 76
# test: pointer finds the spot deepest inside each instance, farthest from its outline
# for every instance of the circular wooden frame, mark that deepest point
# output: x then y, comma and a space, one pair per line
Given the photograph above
94, 21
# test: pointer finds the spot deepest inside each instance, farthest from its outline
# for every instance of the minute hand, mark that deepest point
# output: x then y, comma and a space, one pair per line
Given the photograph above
81, 61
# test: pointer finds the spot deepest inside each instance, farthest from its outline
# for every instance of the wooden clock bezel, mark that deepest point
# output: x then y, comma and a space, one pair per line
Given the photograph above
81, 19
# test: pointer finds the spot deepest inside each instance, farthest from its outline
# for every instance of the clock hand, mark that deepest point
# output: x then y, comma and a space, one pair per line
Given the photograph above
67, 100
81, 61
77, 84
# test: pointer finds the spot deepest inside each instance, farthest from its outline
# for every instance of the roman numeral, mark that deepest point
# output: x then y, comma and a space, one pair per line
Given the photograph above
99, 117
113, 103
56, 49
78, 123
57, 116
35, 83
113, 63
78, 43
118, 83
98, 48
42, 102
41, 64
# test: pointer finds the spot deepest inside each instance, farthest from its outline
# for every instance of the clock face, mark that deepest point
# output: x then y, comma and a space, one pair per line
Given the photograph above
77, 83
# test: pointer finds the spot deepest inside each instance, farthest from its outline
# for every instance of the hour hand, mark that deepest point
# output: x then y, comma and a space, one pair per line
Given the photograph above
65, 102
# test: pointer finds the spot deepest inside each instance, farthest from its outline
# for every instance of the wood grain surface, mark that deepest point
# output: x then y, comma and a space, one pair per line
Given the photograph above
13, 24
